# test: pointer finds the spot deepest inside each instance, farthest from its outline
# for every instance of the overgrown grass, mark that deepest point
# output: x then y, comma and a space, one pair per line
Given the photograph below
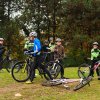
35, 91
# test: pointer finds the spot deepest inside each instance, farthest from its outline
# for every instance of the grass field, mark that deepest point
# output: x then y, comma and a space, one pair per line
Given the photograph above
35, 91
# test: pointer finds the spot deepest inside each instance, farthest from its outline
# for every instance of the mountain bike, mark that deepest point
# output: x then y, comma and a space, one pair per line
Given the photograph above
84, 69
56, 82
7, 62
25, 69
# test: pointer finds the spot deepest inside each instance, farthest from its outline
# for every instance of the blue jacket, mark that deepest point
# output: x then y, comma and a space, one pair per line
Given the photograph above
37, 46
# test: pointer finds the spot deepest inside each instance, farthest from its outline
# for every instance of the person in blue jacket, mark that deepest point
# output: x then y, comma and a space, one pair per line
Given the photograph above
37, 56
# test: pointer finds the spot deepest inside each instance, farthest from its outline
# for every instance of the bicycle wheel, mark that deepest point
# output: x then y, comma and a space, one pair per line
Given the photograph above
24, 72
83, 70
54, 68
46, 76
10, 64
83, 83
51, 83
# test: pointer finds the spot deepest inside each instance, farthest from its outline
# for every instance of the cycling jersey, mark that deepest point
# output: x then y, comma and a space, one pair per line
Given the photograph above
29, 45
95, 54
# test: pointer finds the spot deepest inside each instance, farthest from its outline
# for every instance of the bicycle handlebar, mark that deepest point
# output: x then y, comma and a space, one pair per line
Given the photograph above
29, 53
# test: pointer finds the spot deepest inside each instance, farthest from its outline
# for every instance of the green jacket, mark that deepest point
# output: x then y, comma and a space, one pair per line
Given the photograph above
28, 45
52, 46
95, 54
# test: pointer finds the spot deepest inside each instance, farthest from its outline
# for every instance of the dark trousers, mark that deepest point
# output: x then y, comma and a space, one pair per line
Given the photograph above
1, 58
38, 63
1, 54
62, 68
92, 68
1, 61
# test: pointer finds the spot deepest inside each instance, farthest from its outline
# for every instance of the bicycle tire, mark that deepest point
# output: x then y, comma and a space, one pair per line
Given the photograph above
84, 69
25, 69
46, 76
57, 66
83, 83
51, 83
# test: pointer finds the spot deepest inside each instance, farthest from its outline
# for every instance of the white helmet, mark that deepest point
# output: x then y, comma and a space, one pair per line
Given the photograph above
58, 40
1, 39
51, 39
95, 43
33, 34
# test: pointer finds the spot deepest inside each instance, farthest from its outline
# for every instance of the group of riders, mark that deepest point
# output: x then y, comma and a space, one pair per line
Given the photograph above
33, 44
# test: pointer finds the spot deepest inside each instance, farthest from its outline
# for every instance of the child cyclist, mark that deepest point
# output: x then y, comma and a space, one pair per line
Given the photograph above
95, 56
37, 56
59, 54
45, 51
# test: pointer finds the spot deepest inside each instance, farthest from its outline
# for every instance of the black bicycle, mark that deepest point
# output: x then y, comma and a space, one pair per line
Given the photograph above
8, 62
25, 69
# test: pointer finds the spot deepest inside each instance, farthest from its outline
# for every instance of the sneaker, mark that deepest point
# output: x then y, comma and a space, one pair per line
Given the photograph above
28, 82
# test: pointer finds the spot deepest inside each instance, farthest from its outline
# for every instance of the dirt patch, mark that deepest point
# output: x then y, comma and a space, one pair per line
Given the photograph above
17, 87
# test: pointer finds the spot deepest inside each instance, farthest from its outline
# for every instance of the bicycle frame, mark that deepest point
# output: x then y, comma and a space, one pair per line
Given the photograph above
97, 64
56, 61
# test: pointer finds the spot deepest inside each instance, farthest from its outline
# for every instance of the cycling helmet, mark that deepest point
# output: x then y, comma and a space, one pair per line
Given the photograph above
95, 43
33, 34
58, 40
51, 39
1, 39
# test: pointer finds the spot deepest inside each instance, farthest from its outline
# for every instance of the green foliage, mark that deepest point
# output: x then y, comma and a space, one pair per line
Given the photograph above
75, 21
